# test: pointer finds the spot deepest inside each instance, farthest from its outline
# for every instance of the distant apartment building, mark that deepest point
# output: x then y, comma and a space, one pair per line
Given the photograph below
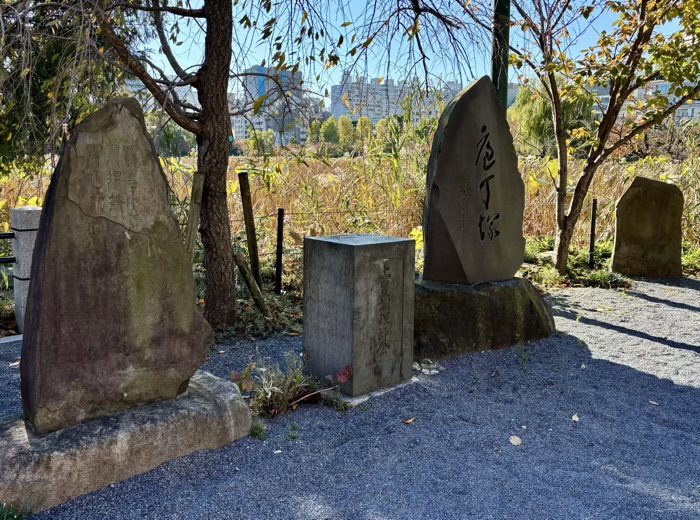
685, 112
376, 99
185, 94
284, 109
379, 98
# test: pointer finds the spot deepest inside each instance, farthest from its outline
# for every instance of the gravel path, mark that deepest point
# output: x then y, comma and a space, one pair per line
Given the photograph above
626, 363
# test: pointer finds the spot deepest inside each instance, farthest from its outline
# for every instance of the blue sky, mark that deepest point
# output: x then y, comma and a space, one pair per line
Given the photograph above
374, 64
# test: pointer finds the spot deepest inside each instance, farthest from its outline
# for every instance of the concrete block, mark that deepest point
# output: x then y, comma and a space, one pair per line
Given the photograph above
453, 319
25, 224
44, 471
358, 309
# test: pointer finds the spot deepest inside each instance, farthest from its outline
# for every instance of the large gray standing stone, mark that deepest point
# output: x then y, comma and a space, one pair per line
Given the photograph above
475, 196
358, 309
111, 320
40, 472
648, 236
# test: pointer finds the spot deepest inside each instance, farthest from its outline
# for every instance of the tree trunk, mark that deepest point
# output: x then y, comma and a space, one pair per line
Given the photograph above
561, 245
568, 223
214, 147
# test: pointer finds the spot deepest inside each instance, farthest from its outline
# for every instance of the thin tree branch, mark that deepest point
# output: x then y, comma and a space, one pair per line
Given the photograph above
179, 11
165, 46
139, 71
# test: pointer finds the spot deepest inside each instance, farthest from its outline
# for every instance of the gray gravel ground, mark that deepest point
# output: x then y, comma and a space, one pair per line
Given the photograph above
626, 363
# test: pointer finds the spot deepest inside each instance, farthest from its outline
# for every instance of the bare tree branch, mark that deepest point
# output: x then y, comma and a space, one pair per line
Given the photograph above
179, 11
138, 69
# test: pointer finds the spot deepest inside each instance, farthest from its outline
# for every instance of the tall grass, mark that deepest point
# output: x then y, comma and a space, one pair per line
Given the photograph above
383, 192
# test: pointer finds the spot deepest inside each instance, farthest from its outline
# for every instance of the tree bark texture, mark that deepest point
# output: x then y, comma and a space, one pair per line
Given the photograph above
214, 147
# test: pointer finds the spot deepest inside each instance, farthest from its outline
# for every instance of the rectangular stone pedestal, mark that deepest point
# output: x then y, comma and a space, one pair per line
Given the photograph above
358, 309
40, 472
454, 319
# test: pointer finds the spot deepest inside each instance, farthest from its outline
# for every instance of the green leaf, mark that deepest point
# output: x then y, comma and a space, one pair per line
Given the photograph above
259, 103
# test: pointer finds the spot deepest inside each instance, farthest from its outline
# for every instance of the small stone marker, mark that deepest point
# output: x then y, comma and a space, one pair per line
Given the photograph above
111, 320
25, 224
648, 236
358, 309
473, 221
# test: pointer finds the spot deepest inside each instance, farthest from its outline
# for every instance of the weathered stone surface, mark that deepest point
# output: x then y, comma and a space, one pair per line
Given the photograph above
358, 309
25, 224
44, 471
475, 197
648, 236
453, 319
111, 321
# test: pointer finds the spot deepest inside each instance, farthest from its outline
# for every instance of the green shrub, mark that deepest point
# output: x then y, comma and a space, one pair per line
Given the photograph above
547, 276
535, 246
604, 279
691, 262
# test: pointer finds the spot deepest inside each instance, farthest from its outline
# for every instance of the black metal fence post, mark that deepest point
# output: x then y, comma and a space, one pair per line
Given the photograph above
591, 247
280, 244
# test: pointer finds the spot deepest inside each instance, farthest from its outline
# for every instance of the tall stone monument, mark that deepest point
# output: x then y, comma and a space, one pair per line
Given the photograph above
468, 299
475, 197
111, 320
648, 236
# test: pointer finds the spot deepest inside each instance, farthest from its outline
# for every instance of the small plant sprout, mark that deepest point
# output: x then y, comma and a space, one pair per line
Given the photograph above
522, 353
258, 430
293, 432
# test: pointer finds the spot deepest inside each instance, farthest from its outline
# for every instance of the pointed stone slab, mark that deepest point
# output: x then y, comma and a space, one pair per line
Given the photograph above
111, 321
473, 221
648, 234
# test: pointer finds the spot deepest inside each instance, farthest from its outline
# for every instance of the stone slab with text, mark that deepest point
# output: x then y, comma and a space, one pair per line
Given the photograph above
111, 320
475, 197
358, 310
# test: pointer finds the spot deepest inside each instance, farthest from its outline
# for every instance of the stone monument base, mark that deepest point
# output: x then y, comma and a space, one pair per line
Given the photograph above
455, 319
40, 472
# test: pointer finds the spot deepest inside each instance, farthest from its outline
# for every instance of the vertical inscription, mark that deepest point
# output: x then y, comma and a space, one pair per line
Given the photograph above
486, 159
381, 341
113, 170
463, 206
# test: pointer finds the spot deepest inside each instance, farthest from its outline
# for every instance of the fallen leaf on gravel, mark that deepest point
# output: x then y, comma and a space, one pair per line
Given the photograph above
574, 417
495, 373
14, 365
515, 440
583, 366
222, 352
650, 402
410, 421
293, 334
277, 452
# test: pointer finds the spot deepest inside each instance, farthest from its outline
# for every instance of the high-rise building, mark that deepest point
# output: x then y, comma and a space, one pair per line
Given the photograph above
379, 98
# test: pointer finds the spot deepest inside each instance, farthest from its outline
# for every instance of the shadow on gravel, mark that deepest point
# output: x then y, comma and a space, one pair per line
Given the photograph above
682, 283
631, 452
570, 315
